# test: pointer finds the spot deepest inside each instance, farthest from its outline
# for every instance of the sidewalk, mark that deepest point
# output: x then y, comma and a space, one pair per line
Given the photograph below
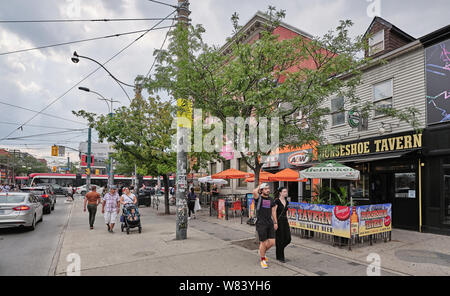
217, 247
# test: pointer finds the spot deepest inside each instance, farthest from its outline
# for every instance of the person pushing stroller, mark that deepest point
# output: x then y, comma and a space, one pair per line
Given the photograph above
131, 216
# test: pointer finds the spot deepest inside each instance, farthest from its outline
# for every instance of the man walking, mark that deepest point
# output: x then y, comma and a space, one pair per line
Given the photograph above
111, 208
265, 220
92, 199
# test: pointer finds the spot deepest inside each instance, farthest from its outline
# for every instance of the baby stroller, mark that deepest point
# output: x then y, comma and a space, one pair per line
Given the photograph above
130, 218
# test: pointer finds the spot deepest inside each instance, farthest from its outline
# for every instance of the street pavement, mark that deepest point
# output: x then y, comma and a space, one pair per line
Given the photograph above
27, 253
217, 247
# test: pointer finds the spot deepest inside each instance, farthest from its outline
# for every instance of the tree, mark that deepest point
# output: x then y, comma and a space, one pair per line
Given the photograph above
142, 134
287, 80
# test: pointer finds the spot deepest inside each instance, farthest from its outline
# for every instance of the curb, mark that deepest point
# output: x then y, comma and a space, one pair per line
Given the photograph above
55, 259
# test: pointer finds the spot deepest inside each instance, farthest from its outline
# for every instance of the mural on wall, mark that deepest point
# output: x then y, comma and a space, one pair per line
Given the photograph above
438, 82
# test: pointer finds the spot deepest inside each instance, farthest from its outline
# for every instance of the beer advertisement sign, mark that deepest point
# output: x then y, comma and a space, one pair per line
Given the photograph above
374, 219
333, 220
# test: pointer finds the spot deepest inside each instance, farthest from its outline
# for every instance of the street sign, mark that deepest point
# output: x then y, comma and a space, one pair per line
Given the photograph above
88, 171
97, 171
54, 169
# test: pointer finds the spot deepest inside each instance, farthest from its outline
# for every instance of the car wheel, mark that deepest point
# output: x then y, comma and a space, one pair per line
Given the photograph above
49, 210
33, 225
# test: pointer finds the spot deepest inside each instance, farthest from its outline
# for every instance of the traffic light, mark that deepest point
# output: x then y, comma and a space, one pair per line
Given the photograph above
54, 150
88, 171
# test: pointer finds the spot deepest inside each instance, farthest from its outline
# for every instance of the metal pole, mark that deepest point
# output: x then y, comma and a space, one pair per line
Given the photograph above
88, 176
182, 132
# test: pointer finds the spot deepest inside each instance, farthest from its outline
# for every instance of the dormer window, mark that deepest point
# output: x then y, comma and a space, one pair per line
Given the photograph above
376, 43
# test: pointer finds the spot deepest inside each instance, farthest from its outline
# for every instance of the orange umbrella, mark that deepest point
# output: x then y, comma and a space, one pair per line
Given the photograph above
263, 177
287, 175
231, 174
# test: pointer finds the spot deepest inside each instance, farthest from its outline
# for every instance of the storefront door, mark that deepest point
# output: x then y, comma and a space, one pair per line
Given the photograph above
293, 191
399, 189
447, 197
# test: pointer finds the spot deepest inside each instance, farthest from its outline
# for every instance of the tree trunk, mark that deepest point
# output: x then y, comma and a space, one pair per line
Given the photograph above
166, 193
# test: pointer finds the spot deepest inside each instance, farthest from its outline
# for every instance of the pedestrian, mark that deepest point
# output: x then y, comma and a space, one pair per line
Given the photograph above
191, 202
92, 199
70, 193
281, 224
265, 213
128, 197
215, 190
120, 189
111, 208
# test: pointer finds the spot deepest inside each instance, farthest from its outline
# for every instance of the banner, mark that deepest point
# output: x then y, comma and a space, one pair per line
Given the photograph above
333, 220
374, 219
221, 208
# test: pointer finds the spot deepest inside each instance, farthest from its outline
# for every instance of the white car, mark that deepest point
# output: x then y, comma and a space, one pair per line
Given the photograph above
20, 209
82, 189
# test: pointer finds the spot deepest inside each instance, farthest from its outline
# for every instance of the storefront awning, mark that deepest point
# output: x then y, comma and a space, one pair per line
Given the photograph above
371, 158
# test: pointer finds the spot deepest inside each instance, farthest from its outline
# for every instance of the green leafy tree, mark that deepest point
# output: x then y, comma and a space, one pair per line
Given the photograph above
288, 80
142, 134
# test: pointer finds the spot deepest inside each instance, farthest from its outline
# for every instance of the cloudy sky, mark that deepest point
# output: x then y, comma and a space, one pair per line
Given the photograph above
34, 79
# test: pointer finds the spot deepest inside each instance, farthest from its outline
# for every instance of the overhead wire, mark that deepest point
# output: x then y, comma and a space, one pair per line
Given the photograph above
46, 114
79, 41
86, 77
156, 57
81, 20
33, 125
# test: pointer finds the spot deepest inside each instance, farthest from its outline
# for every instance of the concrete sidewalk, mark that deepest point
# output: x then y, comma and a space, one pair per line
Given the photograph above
217, 247
155, 251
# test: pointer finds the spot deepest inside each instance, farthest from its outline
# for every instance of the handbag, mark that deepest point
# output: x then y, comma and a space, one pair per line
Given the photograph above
197, 206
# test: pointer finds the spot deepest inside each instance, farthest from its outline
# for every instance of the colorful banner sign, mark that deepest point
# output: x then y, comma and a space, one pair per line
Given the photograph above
374, 219
333, 220
221, 209
340, 220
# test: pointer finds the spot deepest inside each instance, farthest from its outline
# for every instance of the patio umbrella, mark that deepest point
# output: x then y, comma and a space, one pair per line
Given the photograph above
232, 174
263, 177
331, 170
287, 175
208, 179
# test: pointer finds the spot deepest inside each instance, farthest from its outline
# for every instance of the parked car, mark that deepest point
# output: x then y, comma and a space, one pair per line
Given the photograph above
45, 195
82, 189
58, 190
20, 209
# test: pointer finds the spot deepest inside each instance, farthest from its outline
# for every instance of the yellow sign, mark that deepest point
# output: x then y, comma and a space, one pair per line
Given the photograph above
389, 144
97, 171
88, 171
54, 169
54, 150
184, 113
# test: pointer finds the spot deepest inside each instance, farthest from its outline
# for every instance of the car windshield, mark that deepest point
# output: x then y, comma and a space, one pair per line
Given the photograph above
34, 191
11, 199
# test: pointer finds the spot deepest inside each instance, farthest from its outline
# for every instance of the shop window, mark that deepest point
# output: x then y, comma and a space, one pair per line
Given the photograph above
405, 185
360, 189
382, 96
243, 168
226, 165
337, 111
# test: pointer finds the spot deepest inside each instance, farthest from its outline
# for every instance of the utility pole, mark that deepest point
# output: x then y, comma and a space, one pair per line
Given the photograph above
88, 171
182, 132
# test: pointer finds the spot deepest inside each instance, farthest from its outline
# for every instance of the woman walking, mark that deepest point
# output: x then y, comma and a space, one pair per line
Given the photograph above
191, 202
282, 230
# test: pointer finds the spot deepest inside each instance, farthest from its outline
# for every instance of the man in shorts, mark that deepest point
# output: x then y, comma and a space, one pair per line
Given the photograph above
111, 208
264, 224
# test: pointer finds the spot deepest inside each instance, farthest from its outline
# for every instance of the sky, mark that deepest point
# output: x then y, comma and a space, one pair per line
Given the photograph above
35, 79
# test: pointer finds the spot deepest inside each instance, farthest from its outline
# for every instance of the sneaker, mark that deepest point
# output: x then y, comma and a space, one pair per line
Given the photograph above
264, 264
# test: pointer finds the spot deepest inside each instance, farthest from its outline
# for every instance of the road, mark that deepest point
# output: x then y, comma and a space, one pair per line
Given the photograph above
26, 253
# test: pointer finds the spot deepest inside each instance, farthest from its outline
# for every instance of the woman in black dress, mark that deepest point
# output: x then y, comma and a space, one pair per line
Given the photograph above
282, 230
